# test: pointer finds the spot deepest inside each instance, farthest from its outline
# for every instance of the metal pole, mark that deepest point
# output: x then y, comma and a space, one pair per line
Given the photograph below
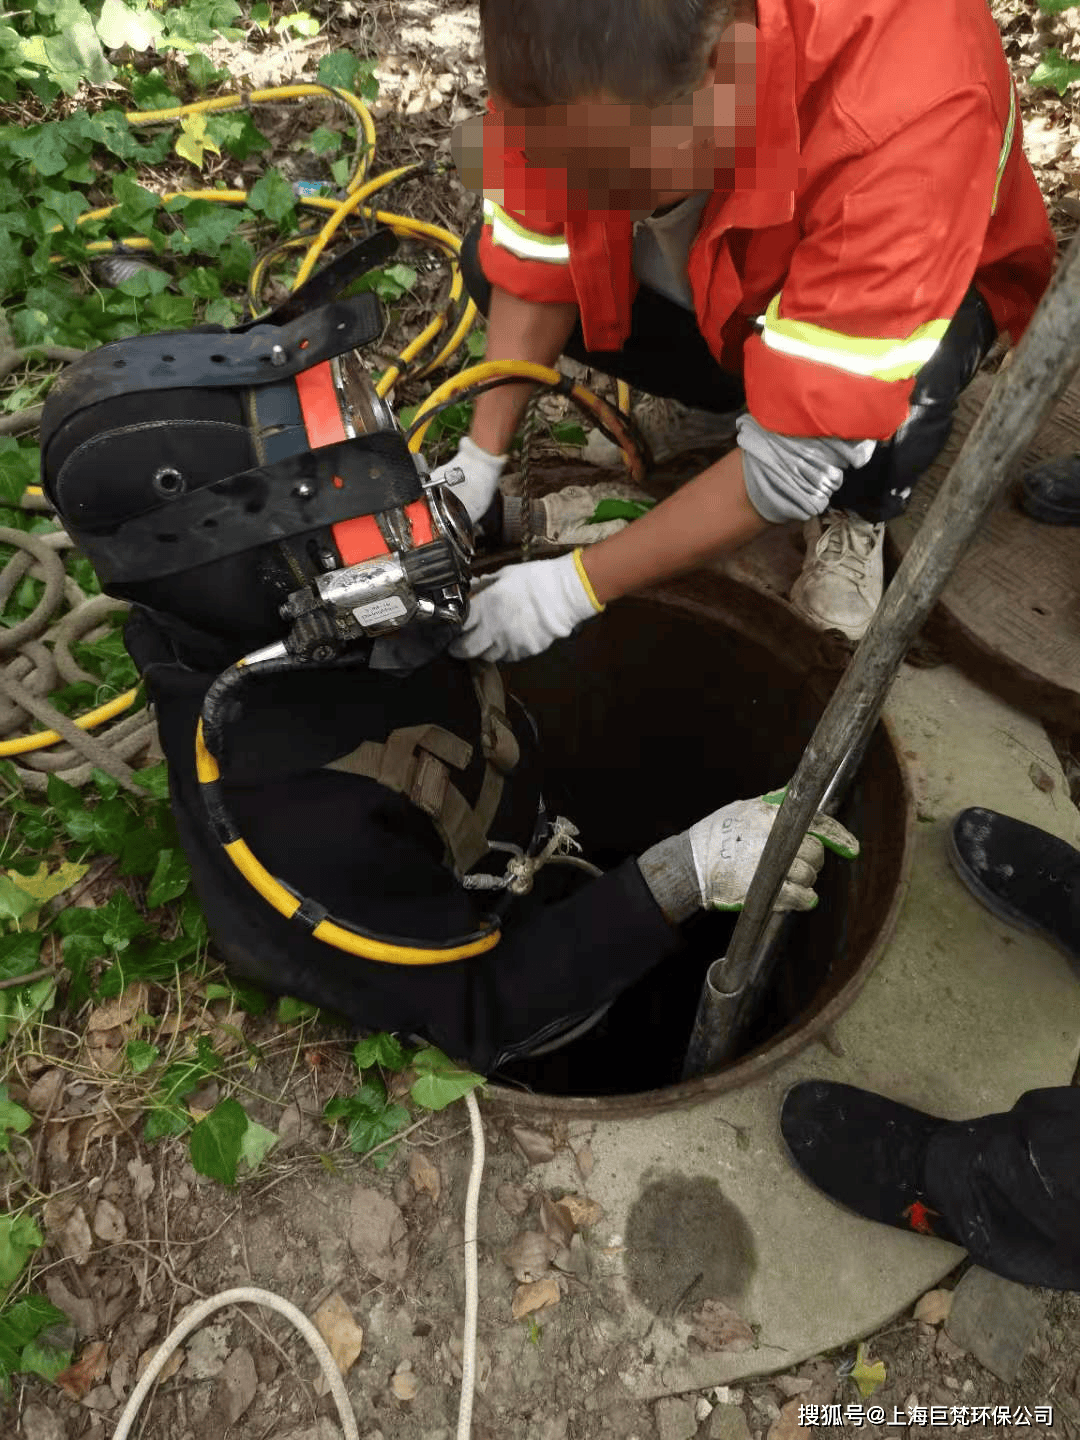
722, 1016
1025, 391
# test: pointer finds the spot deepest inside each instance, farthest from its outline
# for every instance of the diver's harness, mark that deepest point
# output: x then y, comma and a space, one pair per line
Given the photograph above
340, 527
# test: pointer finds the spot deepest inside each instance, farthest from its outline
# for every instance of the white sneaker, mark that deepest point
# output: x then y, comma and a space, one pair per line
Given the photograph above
670, 428
843, 575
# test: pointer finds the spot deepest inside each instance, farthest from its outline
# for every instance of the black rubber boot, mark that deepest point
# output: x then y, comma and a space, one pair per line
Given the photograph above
1023, 875
1051, 492
865, 1152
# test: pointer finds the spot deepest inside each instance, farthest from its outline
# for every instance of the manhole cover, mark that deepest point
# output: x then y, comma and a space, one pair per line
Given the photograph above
1010, 614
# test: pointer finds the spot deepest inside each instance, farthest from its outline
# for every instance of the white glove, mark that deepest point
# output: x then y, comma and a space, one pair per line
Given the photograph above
480, 473
525, 608
727, 846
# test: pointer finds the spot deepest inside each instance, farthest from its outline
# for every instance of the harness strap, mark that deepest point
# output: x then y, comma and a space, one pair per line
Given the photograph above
416, 760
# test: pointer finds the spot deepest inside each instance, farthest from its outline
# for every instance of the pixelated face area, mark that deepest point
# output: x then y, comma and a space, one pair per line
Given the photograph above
603, 154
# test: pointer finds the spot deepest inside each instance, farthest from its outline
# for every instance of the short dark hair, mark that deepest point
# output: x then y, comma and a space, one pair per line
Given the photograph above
553, 52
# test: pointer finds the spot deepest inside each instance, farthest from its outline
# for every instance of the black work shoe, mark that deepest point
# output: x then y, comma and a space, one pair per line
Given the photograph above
1051, 492
865, 1152
1023, 875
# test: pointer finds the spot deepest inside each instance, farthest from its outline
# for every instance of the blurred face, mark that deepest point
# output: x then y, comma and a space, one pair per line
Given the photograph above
632, 158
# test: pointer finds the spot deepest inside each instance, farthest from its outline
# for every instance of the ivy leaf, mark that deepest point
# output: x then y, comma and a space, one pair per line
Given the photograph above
121, 24
44, 146
20, 1326
151, 93
339, 69
66, 205
612, 509
171, 878
868, 1375
194, 141
14, 902
381, 1049
390, 283
19, 954
217, 1141
272, 196
238, 134
1054, 71
324, 142
256, 1143
440, 1082
12, 1117
155, 779
203, 72
208, 226
19, 1238
290, 1009
42, 1357
140, 1055
1055, 7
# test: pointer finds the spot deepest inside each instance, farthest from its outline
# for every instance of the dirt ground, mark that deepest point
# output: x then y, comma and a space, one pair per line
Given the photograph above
384, 1251
315, 1223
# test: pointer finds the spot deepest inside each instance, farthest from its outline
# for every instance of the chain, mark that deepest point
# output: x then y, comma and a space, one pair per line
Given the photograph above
529, 429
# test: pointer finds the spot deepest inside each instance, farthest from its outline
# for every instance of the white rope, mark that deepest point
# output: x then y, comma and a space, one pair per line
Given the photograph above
251, 1295
520, 871
246, 1295
472, 1281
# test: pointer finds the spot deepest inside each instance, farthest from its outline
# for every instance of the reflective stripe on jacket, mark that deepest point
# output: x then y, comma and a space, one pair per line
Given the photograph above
889, 175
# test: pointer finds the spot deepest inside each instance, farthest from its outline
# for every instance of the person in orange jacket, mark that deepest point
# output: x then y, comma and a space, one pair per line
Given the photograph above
804, 222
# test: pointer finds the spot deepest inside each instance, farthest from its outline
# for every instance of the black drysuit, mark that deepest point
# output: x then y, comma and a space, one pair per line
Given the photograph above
369, 855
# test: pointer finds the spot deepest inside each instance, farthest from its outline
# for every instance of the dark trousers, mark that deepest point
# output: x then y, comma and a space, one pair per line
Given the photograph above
666, 354
1009, 1185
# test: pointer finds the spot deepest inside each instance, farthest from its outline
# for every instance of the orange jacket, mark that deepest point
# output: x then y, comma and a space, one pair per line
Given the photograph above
890, 174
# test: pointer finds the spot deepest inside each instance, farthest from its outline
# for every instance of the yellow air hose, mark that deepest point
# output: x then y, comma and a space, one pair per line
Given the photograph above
615, 422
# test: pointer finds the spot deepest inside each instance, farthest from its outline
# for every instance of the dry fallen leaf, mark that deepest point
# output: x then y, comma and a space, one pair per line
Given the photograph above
82, 1313
172, 1365
514, 1199
142, 1177
119, 1011
76, 1242
79, 1379
557, 1222
535, 1296
45, 1091
425, 1175
582, 1211
536, 1147
934, 1307
585, 1162
377, 1234
405, 1385
786, 1426
109, 1222
530, 1255
716, 1326
238, 1382
334, 1322
1040, 778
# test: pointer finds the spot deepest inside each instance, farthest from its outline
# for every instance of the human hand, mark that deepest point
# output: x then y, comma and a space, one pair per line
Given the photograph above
479, 472
727, 846
525, 608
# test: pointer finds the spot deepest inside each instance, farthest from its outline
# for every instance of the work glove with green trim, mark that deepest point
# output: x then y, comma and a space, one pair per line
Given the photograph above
727, 846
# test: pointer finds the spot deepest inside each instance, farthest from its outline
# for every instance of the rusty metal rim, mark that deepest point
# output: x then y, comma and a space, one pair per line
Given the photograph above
766, 1058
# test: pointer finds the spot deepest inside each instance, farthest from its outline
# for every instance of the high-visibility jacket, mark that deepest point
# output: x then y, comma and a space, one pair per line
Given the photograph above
889, 176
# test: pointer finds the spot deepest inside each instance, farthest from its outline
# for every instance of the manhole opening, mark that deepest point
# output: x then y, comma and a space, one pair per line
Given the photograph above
662, 710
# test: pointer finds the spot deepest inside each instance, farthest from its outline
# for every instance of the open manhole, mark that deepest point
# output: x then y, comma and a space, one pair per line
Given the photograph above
662, 710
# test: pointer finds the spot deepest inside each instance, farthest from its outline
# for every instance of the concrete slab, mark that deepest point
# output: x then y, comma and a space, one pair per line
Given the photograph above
959, 1018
